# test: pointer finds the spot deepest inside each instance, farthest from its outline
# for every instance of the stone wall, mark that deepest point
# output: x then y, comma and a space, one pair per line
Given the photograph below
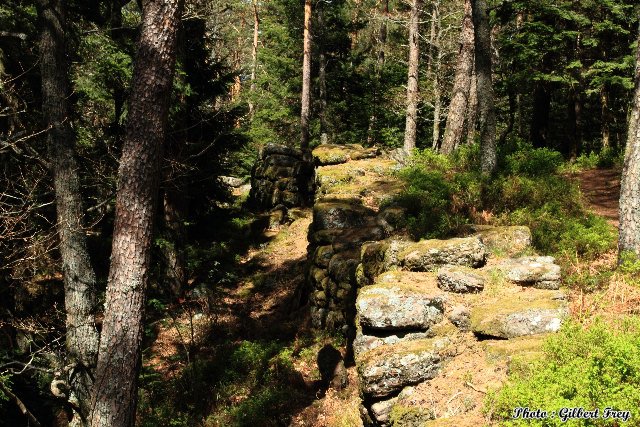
282, 176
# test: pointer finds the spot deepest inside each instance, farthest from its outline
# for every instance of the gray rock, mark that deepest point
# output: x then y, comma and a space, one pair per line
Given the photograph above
459, 279
460, 316
363, 343
537, 271
392, 307
390, 368
427, 255
381, 410
519, 314
231, 181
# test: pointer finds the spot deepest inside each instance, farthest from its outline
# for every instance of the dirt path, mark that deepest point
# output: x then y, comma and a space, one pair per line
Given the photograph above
601, 188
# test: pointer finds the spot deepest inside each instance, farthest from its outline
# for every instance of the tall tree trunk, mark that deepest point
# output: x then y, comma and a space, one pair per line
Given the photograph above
437, 110
322, 83
434, 62
79, 276
114, 395
461, 85
629, 238
412, 79
306, 78
605, 118
486, 108
472, 109
254, 53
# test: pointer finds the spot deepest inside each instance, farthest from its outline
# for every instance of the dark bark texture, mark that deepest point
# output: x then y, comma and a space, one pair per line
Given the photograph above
454, 131
79, 276
486, 108
629, 239
114, 397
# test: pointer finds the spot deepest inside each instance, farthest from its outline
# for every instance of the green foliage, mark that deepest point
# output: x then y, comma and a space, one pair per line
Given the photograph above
428, 198
444, 193
247, 383
595, 367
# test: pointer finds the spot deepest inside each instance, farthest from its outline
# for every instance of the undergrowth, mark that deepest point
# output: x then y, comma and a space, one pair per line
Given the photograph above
594, 367
444, 193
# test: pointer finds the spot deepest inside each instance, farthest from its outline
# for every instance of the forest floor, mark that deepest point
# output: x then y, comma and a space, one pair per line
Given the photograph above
601, 189
258, 309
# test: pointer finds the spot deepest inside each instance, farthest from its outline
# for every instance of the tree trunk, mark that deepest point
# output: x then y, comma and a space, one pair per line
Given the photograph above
79, 276
605, 118
486, 108
114, 395
472, 109
412, 80
461, 85
322, 84
254, 53
306, 78
437, 112
629, 238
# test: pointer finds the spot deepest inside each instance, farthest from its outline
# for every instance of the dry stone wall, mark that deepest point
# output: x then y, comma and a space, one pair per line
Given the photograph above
282, 176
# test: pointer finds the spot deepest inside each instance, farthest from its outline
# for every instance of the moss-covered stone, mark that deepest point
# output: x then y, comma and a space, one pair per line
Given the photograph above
339, 214
410, 416
514, 314
392, 367
427, 255
396, 308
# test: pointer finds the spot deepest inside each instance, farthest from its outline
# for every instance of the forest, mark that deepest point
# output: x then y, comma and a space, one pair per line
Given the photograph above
327, 213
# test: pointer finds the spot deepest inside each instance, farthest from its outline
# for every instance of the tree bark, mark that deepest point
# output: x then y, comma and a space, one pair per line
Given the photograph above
486, 108
79, 276
254, 53
472, 109
629, 238
412, 79
461, 85
305, 111
114, 395
605, 118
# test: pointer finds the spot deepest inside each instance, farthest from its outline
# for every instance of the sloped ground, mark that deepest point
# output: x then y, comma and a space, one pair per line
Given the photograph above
258, 307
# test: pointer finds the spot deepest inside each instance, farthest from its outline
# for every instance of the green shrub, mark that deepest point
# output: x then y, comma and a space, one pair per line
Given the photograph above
444, 192
427, 200
533, 162
591, 368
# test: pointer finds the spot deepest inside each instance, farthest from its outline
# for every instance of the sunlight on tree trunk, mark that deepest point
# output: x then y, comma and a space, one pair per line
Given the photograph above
306, 78
461, 85
115, 391
629, 239
412, 80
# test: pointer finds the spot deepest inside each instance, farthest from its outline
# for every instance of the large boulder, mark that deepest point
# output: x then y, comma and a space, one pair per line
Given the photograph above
537, 271
460, 279
390, 368
427, 255
395, 303
515, 313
